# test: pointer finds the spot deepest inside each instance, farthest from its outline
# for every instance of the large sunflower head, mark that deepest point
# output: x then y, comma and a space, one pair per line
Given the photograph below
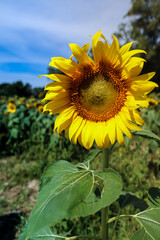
97, 100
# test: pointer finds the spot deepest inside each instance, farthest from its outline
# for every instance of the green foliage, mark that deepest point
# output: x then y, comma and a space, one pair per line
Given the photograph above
29, 134
69, 191
19, 89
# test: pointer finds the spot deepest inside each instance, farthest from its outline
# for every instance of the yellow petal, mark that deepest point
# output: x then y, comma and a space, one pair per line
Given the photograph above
56, 95
130, 102
100, 54
75, 126
85, 48
143, 86
106, 141
100, 132
87, 136
129, 124
63, 119
122, 126
80, 54
113, 52
57, 87
57, 77
95, 41
126, 57
134, 67
133, 116
142, 103
106, 45
119, 135
78, 132
143, 77
67, 66
125, 48
57, 106
111, 130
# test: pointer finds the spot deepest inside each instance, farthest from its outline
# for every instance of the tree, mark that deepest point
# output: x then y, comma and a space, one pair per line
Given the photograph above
144, 27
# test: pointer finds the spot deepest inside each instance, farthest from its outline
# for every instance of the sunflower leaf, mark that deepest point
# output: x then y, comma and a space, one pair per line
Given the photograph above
44, 233
127, 198
150, 219
154, 197
147, 134
69, 192
141, 234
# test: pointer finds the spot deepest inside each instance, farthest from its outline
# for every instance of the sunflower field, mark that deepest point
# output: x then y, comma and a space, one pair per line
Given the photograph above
28, 145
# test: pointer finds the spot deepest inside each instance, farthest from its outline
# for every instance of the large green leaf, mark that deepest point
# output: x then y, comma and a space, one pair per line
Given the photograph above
147, 134
150, 219
154, 197
46, 234
142, 235
127, 198
68, 191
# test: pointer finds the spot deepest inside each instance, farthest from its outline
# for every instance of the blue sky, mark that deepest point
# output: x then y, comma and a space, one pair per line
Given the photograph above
33, 31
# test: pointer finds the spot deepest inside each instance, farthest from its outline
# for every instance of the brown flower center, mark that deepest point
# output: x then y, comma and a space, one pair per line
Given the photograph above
98, 95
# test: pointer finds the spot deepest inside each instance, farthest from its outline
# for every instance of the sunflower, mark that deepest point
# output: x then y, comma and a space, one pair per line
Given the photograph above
97, 100
40, 108
11, 107
11, 100
29, 105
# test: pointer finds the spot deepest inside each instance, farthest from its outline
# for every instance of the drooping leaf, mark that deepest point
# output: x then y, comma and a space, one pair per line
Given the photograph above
68, 192
154, 197
127, 198
147, 134
150, 219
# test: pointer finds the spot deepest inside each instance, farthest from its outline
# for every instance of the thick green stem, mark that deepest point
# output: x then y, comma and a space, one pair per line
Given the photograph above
104, 213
